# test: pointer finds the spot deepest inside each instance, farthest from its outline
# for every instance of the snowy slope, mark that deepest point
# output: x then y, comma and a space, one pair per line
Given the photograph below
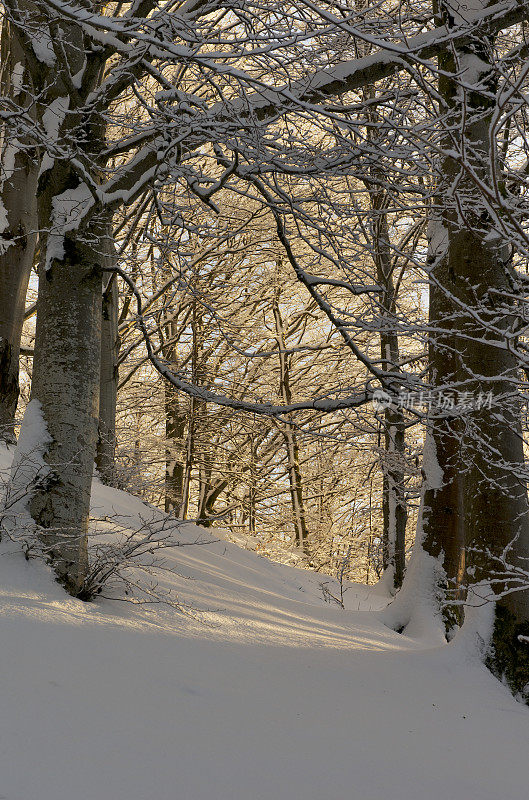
272, 694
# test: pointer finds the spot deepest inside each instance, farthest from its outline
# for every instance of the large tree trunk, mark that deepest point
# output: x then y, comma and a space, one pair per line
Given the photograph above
19, 167
66, 383
443, 513
66, 365
476, 510
443, 510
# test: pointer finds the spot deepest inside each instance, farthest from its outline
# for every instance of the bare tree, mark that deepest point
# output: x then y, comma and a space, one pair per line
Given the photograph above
141, 109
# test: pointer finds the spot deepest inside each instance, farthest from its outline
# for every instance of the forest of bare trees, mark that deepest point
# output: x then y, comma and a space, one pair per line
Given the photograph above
266, 265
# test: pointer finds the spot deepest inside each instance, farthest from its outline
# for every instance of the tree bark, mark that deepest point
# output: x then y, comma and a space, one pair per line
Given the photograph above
206, 498
19, 166
108, 388
175, 424
194, 408
289, 435
394, 506
66, 364
66, 383
479, 514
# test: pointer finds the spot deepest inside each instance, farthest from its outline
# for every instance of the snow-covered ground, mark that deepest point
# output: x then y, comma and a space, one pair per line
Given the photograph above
271, 694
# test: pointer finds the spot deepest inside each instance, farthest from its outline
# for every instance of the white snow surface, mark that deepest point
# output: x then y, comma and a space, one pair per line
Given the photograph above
42, 46
4, 222
275, 695
433, 473
52, 119
17, 78
68, 210
20, 473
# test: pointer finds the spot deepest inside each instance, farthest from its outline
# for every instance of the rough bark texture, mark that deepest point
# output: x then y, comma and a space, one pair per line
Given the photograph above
19, 166
443, 508
480, 514
66, 382
66, 365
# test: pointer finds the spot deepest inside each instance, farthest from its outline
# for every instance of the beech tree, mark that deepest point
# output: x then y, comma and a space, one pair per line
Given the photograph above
120, 101
19, 165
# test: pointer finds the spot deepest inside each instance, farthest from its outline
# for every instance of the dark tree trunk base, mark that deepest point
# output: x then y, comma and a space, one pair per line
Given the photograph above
509, 657
9, 390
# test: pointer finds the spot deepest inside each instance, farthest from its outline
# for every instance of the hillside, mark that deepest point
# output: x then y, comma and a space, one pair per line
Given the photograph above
267, 693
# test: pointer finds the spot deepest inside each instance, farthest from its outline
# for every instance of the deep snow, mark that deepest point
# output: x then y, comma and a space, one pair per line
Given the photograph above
273, 695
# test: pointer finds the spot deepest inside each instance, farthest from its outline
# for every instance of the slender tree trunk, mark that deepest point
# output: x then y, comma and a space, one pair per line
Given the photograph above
289, 435
394, 506
108, 388
194, 411
296, 488
175, 424
19, 167
252, 490
189, 459
205, 497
